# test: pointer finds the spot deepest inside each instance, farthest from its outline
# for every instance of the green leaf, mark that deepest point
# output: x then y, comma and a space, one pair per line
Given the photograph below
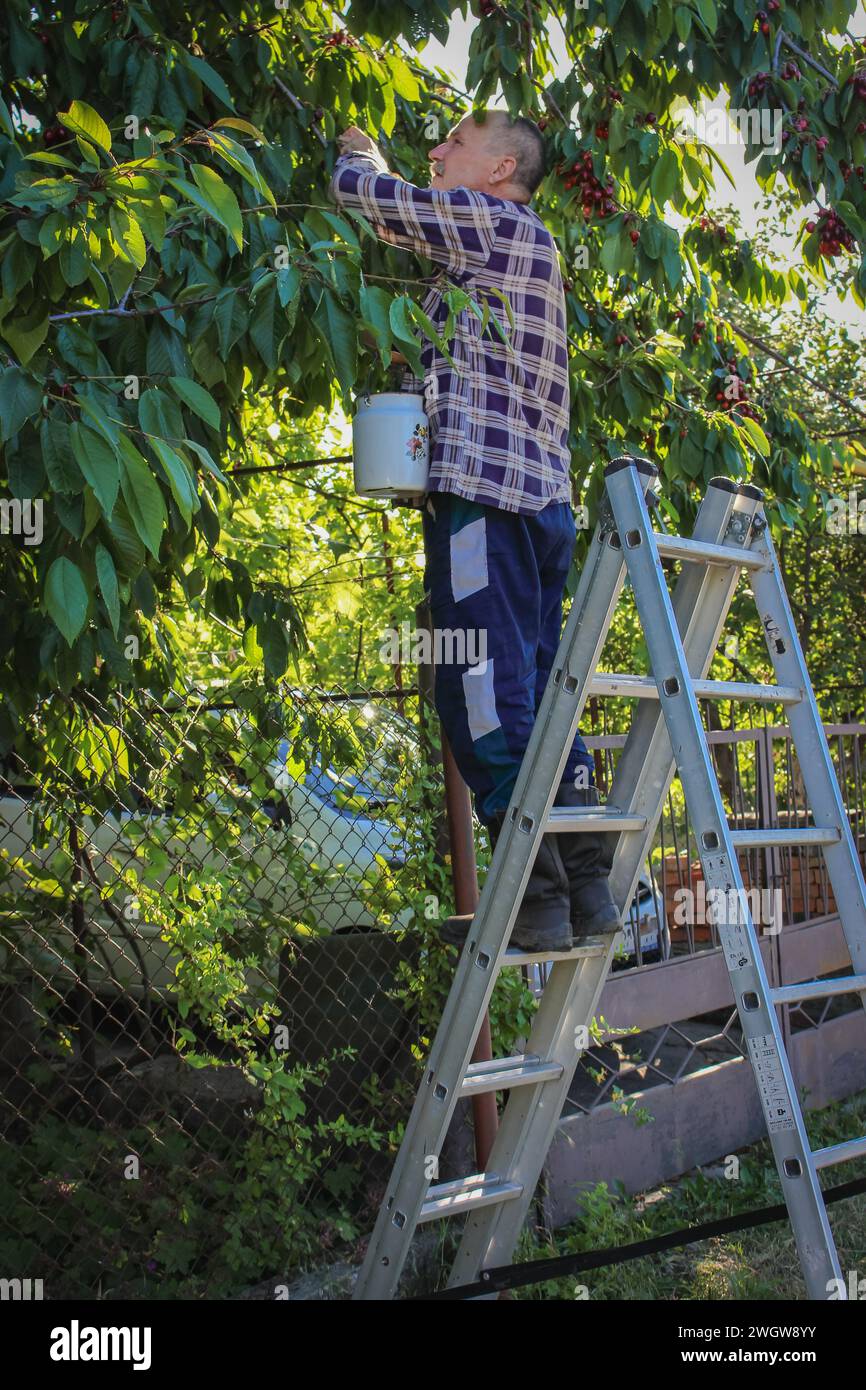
230, 317
402, 78
6, 120
209, 186
239, 159
98, 462
46, 193
709, 15
74, 264
288, 284
128, 549
63, 472
266, 328
107, 576
714, 154
343, 228
52, 232
682, 22
665, 176
26, 335
338, 329
609, 258
181, 478
66, 598
197, 398
50, 157
246, 126
143, 496
128, 236
426, 324
401, 326
756, 435
20, 398
206, 460
160, 415
206, 74
375, 305
81, 119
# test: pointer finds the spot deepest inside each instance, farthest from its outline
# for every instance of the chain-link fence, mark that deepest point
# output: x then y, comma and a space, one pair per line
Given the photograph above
213, 989
221, 972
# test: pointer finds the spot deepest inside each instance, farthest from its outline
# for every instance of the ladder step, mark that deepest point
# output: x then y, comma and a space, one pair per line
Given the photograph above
645, 688
840, 1153
818, 989
478, 1190
596, 946
802, 835
571, 818
679, 548
505, 1072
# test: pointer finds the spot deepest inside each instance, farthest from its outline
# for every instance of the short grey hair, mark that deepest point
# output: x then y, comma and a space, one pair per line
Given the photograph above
525, 141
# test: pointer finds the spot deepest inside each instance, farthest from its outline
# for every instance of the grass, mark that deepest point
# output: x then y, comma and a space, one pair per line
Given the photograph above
757, 1264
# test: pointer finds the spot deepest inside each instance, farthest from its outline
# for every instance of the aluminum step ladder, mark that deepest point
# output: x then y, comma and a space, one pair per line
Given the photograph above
682, 631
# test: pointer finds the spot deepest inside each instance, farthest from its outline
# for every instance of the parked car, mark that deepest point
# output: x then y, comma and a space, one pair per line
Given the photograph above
646, 921
337, 821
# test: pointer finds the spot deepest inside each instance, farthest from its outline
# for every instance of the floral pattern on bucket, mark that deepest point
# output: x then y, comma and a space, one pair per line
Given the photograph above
417, 441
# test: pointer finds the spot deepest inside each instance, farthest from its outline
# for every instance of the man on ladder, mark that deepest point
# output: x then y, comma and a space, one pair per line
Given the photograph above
498, 525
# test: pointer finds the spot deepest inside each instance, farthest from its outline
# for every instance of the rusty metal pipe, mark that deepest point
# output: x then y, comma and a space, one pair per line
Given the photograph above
464, 875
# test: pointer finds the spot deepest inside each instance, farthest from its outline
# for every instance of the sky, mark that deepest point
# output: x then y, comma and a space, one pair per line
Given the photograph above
746, 195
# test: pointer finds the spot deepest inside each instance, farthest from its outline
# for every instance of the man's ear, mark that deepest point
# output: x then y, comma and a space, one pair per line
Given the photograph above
504, 170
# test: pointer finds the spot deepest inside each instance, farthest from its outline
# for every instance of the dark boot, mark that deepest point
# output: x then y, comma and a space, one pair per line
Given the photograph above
543, 918
584, 857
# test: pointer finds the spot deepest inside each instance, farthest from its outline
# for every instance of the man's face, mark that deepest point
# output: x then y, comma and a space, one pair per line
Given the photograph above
465, 159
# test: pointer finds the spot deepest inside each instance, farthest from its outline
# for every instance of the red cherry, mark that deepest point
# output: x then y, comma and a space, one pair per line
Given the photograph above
634, 237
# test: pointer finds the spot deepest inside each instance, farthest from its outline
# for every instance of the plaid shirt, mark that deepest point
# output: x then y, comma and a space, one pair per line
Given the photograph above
498, 426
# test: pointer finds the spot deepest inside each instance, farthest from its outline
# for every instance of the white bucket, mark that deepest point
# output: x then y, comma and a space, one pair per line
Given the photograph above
390, 438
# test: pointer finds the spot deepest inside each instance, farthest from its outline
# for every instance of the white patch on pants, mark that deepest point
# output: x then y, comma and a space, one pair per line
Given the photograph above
480, 700
469, 559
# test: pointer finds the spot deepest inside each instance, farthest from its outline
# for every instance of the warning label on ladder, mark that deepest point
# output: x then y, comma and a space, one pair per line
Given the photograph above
771, 1082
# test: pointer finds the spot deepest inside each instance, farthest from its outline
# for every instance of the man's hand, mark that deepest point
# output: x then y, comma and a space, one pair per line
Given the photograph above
354, 141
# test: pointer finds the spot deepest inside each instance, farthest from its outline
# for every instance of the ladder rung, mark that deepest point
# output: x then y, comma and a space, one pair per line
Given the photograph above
680, 548
802, 835
818, 989
645, 688
571, 818
478, 1190
840, 1153
598, 946
505, 1072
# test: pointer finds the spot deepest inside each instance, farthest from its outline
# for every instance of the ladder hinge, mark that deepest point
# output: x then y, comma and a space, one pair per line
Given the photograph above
738, 528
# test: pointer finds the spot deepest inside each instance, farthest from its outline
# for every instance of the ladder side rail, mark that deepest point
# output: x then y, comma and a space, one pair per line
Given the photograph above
816, 764
700, 601
775, 1083
546, 755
